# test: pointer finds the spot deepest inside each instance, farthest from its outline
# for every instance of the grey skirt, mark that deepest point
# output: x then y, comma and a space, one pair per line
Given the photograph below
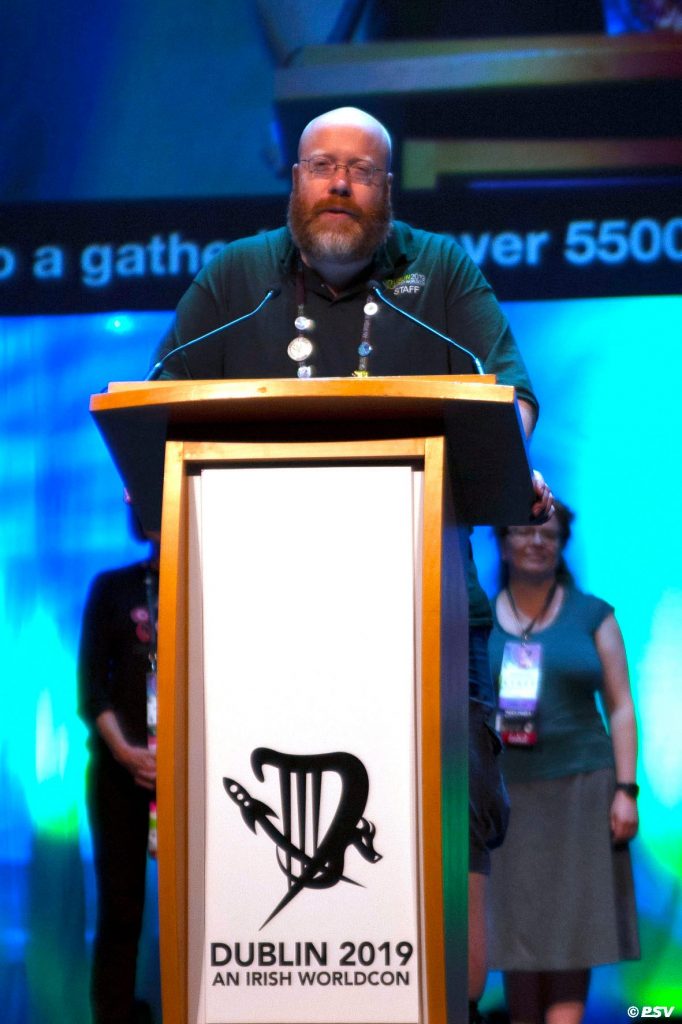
561, 897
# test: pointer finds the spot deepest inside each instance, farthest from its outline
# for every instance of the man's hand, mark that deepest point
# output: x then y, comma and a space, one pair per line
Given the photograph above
542, 508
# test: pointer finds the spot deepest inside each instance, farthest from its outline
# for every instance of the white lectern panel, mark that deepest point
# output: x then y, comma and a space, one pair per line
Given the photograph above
308, 646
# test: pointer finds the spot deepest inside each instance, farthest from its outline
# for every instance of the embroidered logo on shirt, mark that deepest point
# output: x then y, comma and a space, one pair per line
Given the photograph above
408, 284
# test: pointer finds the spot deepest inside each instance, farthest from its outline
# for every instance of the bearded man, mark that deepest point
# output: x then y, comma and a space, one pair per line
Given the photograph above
341, 236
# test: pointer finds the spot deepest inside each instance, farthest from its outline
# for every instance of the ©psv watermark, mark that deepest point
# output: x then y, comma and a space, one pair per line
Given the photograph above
650, 1011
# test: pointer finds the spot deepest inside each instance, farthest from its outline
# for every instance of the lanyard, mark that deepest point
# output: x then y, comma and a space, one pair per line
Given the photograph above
151, 586
301, 348
527, 630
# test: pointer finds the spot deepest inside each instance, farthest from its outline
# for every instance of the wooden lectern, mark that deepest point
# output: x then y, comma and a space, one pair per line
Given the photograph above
313, 641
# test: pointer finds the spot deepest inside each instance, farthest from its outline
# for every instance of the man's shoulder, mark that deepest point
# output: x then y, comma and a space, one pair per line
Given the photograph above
409, 235
414, 243
275, 238
276, 243
251, 258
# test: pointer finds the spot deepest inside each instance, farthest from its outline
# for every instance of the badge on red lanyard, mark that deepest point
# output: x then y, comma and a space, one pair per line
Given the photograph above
519, 683
519, 689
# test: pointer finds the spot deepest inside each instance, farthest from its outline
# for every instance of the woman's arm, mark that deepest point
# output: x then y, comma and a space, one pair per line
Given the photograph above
622, 724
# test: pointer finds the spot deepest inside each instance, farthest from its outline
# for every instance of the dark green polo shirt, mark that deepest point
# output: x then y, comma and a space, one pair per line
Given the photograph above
428, 275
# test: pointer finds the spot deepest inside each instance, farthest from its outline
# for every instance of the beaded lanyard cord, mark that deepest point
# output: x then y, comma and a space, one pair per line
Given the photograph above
301, 348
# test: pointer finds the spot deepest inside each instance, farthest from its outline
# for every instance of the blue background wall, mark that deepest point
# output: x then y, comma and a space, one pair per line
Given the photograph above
607, 440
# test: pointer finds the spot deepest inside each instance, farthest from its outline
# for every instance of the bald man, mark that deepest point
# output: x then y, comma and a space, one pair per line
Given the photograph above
340, 235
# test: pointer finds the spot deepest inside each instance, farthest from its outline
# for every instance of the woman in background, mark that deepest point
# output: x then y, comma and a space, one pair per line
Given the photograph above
561, 892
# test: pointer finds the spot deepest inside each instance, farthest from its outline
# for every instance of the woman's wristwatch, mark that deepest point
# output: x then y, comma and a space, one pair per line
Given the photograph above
629, 788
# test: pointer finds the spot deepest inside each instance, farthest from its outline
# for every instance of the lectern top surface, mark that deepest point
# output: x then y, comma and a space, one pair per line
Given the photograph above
479, 418
463, 387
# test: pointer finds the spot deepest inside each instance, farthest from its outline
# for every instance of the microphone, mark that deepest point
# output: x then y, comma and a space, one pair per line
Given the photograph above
156, 369
376, 288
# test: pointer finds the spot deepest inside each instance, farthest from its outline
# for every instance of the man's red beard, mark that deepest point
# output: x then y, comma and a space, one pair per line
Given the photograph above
356, 236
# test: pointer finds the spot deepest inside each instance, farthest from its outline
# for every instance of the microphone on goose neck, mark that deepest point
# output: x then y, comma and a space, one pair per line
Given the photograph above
156, 369
376, 288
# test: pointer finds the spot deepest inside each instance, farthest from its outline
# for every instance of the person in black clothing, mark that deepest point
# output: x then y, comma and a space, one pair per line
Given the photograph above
117, 649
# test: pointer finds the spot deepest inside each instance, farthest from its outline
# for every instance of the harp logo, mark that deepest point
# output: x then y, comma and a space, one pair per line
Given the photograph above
310, 854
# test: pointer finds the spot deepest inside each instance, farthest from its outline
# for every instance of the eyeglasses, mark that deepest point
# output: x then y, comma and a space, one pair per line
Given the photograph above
360, 172
534, 533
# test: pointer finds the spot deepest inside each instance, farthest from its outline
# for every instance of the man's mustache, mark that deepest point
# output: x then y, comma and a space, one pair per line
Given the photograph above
324, 206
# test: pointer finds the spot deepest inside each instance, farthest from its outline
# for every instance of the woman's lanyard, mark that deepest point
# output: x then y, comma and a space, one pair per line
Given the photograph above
525, 631
519, 681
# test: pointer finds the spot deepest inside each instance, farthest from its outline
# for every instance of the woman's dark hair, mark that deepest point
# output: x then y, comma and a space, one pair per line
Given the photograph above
563, 517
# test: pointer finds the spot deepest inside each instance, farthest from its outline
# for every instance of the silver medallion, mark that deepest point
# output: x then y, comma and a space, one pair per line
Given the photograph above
300, 349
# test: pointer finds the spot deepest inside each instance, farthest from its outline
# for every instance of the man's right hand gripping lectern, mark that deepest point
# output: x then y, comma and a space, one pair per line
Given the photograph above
312, 776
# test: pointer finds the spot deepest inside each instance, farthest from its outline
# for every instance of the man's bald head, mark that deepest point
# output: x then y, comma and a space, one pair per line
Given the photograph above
340, 217
349, 117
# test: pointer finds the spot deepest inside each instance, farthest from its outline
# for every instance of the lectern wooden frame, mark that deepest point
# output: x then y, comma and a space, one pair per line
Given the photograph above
465, 436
